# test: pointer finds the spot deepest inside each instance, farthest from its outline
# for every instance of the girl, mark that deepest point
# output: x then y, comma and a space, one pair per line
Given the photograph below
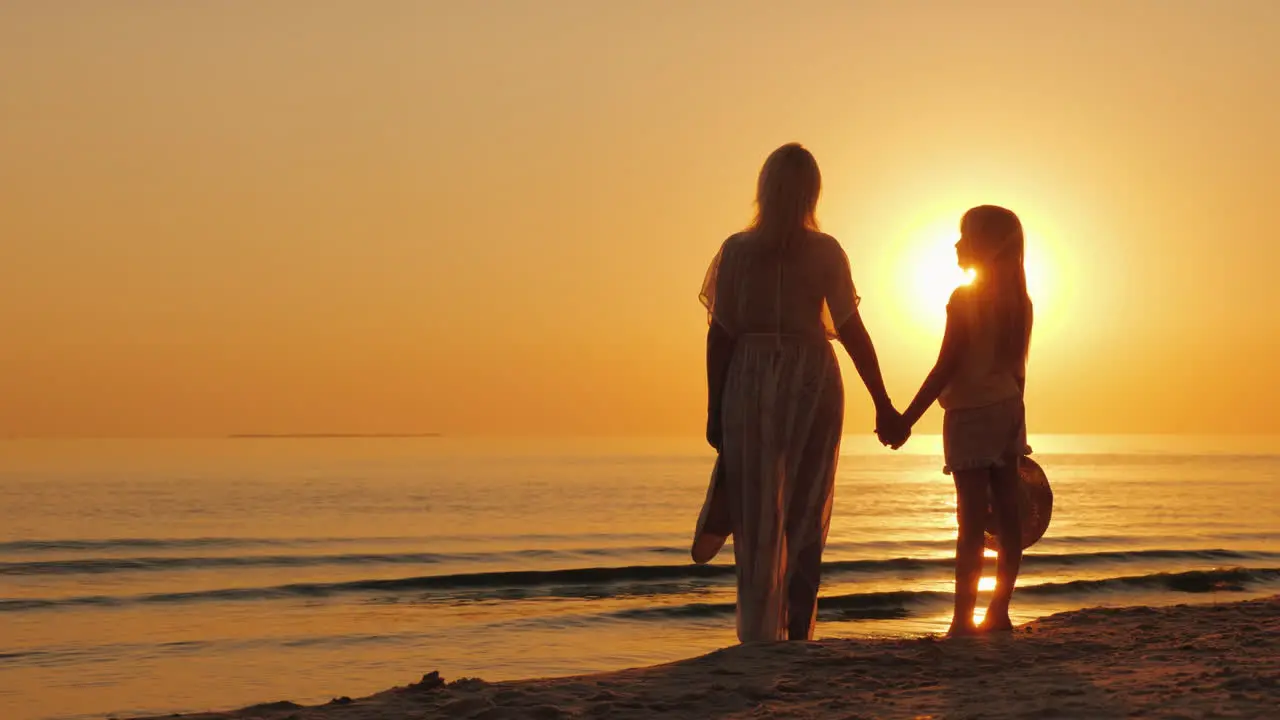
979, 380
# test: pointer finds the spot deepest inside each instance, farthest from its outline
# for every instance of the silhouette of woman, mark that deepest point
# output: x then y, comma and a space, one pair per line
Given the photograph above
776, 294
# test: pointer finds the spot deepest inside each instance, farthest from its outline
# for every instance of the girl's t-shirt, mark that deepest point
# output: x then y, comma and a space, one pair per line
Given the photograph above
979, 381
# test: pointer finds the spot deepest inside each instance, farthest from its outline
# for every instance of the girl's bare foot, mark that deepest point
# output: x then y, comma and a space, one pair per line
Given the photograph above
996, 622
962, 629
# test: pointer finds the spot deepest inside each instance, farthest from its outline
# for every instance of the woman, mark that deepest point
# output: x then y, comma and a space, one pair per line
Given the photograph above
777, 293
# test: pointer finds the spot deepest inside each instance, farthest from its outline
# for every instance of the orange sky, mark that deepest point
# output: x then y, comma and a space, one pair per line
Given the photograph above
493, 217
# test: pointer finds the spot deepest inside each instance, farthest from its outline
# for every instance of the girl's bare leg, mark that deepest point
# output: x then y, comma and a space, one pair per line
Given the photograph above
971, 515
1004, 496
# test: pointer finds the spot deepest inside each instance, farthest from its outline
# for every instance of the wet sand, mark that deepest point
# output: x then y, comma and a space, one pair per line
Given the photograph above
1187, 661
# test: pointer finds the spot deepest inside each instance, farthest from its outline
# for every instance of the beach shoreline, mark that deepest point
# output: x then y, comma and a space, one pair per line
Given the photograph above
1183, 661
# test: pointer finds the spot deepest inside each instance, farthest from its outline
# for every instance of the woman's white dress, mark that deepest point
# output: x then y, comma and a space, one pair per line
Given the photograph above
782, 412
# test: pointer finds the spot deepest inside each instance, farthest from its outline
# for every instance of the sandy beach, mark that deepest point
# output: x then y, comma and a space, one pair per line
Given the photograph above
1187, 661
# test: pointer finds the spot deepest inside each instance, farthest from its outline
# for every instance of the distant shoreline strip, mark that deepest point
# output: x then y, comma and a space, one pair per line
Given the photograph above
327, 436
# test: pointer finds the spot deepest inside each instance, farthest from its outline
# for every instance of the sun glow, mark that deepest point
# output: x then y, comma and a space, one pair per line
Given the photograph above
929, 272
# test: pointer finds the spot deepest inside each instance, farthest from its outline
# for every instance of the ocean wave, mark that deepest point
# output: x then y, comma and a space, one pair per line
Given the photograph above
654, 580
113, 544
58, 545
900, 604
97, 566
640, 573
510, 585
1191, 581
895, 604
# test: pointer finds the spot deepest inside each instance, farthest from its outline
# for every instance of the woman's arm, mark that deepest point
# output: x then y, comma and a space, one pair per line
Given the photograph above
954, 340
719, 354
842, 303
857, 342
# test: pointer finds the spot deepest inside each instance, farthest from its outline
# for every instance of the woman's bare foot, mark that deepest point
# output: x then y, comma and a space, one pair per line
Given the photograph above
962, 629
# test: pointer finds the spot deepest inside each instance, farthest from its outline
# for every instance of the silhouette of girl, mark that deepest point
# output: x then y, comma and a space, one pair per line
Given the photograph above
979, 380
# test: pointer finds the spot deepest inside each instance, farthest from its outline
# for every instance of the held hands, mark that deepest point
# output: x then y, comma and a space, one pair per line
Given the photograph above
891, 428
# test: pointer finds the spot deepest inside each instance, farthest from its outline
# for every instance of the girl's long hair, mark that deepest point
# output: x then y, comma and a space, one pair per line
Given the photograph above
999, 245
787, 195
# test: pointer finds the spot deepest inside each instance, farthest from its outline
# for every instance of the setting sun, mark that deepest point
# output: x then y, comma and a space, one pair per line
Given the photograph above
927, 269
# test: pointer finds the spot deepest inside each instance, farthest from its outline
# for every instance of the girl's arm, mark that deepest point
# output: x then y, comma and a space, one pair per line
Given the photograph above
953, 345
857, 342
719, 354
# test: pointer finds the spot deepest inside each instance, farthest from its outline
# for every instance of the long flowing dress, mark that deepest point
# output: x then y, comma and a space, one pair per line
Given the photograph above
782, 414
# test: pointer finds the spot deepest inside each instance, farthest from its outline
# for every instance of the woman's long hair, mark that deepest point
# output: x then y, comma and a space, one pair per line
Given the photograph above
787, 195
999, 244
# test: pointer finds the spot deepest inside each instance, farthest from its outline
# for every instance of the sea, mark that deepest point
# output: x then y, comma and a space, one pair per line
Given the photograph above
160, 576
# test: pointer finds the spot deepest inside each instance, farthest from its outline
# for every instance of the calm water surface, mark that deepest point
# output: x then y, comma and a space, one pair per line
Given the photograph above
160, 576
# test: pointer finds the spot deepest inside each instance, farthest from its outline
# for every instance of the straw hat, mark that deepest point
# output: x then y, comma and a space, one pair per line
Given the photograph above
1035, 499
714, 526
